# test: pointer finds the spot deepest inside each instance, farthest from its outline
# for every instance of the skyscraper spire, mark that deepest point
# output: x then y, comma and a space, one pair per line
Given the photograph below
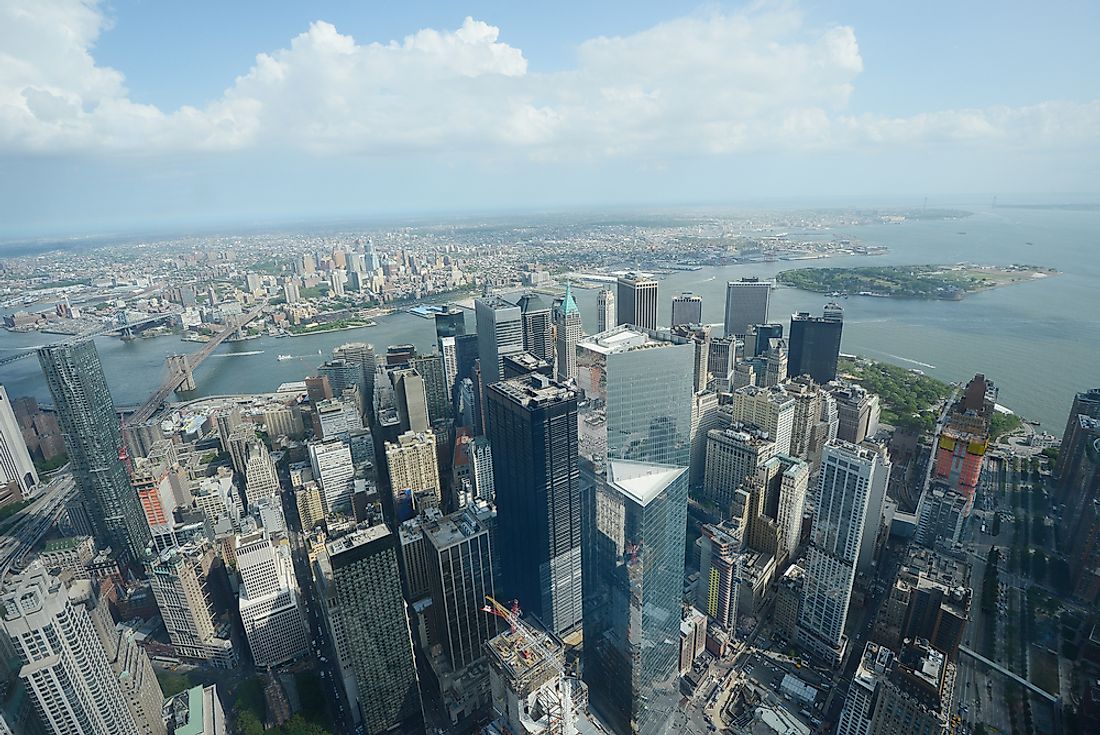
568, 305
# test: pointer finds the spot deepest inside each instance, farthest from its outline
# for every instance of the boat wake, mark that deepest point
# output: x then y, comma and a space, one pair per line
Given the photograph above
240, 354
906, 359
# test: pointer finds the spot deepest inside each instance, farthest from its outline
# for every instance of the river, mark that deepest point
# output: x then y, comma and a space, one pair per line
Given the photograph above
1039, 341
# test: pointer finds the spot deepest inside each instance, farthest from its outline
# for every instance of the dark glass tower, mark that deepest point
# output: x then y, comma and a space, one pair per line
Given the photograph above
533, 432
450, 323
93, 439
814, 344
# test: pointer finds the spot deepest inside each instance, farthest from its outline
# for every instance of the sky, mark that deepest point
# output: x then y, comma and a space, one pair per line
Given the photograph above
147, 114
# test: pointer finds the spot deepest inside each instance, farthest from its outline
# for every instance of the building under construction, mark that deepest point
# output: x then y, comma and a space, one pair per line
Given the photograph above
532, 694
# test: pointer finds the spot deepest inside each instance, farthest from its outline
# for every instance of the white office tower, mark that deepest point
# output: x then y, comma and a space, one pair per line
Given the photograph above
261, 478
746, 304
178, 581
64, 666
15, 460
270, 604
849, 476
335, 472
769, 409
605, 310
448, 353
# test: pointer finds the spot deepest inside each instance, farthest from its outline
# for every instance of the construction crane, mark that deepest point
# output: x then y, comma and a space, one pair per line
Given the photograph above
555, 696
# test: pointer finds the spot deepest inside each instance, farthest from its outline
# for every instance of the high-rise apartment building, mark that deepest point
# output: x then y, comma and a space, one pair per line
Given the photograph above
849, 479
733, 454
93, 439
636, 301
569, 329
460, 577
687, 308
746, 304
634, 563
814, 344
769, 409
269, 602
778, 493
178, 577
908, 693
359, 588
964, 439
499, 332
413, 468
15, 461
720, 556
606, 313
63, 663
533, 434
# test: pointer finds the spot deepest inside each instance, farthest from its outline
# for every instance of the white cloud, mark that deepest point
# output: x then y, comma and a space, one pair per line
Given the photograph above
711, 83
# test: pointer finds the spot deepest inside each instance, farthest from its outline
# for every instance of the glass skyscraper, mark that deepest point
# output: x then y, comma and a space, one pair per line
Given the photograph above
634, 483
634, 565
93, 439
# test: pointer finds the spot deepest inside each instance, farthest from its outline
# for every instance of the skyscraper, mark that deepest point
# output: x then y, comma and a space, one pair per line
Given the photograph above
537, 332
687, 308
814, 344
636, 301
746, 304
262, 479
413, 469
359, 587
450, 322
335, 472
64, 666
499, 332
460, 577
634, 564
533, 433
178, 577
15, 460
269, 602
605, 310
88, 420
641, 381
849, 476
570, 329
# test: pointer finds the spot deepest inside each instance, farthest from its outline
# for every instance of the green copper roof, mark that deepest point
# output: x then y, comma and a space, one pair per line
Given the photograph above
194, 724
569, 305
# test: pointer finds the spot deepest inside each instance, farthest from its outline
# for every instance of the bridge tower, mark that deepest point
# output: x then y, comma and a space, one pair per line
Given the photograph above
178, 365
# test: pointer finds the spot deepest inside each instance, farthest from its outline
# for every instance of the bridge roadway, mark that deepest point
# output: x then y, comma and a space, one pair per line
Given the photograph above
21, 532
106, 329
177, 376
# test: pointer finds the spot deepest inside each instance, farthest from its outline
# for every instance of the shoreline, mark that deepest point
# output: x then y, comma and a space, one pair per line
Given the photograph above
327, 331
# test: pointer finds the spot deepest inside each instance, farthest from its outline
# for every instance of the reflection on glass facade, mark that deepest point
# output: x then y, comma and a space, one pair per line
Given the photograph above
638, 384
635, 436
634, 564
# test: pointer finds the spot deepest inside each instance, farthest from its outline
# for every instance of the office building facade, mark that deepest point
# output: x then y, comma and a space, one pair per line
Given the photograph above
569, 329
687, 308
499, 332
606, 313
634, 565
746, 304
814, 344
636, 301
15, 461
533, 434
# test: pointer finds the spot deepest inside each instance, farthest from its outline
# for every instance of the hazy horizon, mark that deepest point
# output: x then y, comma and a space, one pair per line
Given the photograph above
252, 113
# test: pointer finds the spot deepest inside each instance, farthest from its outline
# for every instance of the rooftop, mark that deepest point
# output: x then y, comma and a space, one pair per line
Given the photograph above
535, 390
641, 481
626, 338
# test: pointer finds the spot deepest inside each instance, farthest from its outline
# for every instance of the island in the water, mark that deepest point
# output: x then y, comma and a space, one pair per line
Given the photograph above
950, 282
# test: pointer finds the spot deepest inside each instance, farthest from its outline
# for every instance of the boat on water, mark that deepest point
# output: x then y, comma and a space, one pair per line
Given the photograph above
280, 358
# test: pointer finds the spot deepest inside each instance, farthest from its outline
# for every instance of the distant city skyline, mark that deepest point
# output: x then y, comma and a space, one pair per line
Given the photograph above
334, 111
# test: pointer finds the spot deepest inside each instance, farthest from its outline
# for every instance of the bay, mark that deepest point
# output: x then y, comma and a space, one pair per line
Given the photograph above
1039, 341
